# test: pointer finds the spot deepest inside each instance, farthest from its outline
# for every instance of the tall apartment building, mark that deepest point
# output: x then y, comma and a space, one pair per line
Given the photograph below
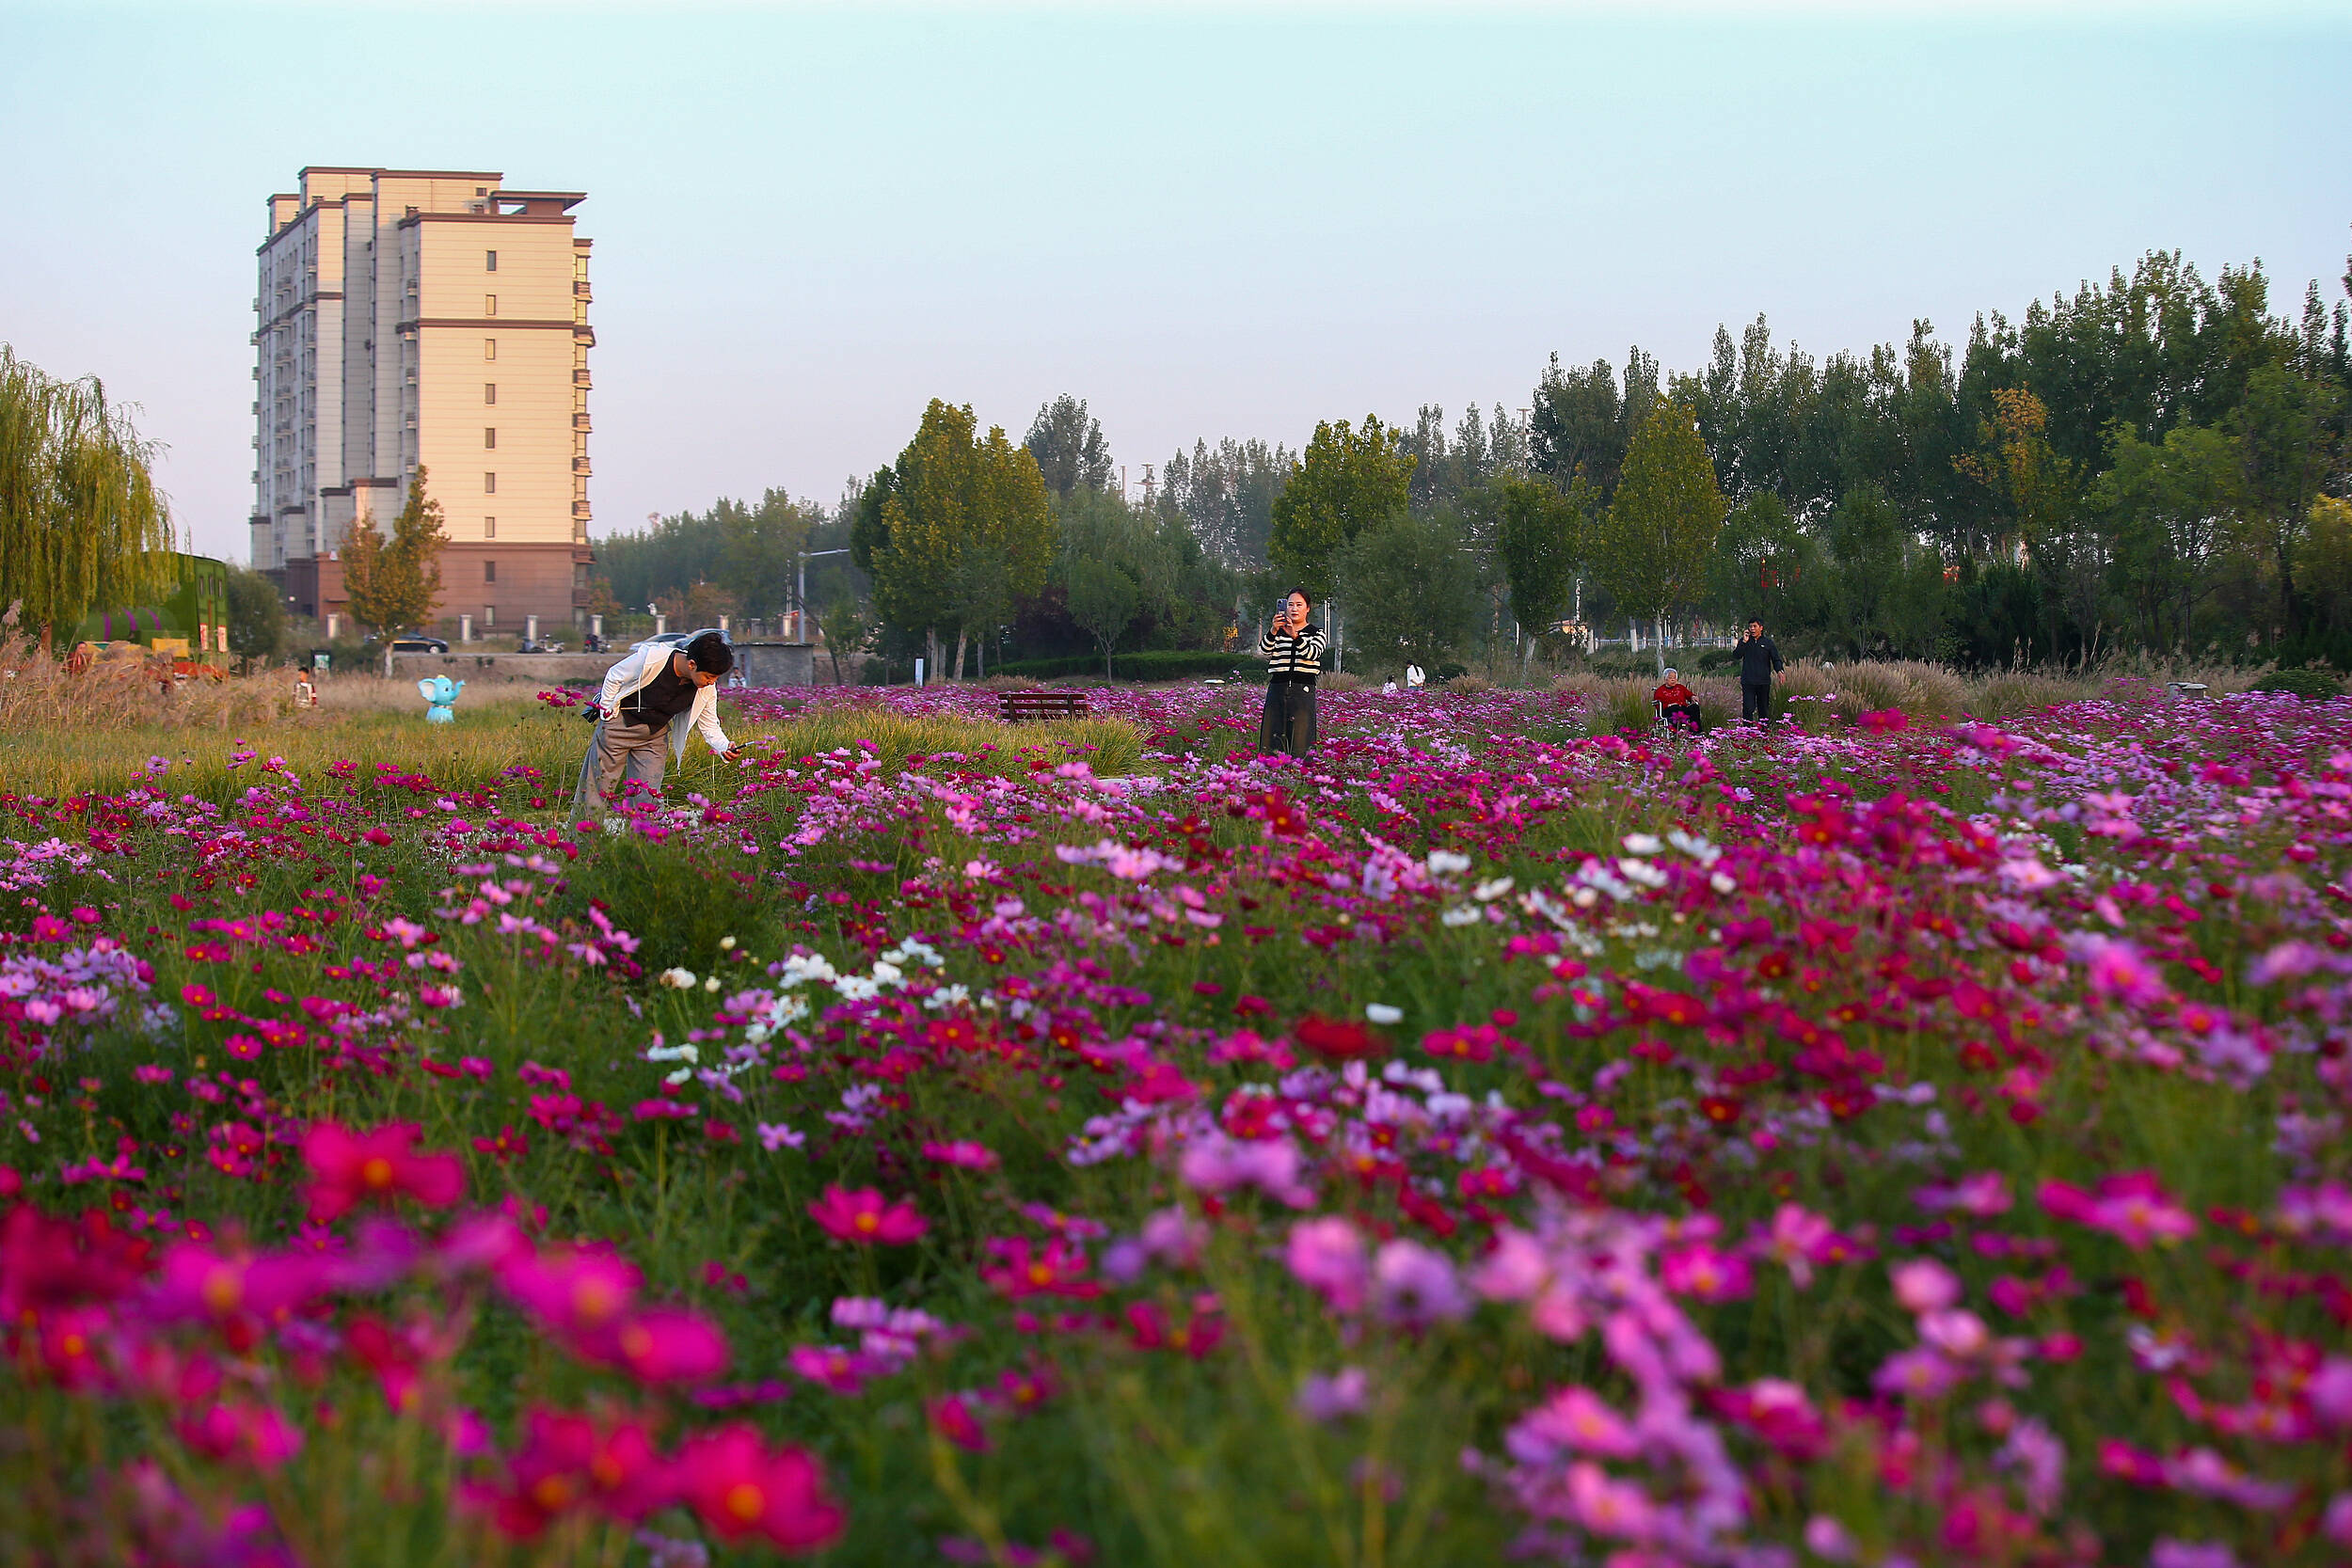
413, 318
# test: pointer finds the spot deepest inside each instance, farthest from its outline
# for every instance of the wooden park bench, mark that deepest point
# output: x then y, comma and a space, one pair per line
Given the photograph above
1031, 705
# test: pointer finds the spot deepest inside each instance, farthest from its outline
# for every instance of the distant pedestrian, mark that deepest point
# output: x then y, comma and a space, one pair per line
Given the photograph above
654, 685
1758, 660
1293, 649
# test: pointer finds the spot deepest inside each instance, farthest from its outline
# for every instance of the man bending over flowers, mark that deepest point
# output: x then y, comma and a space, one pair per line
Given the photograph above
652, 686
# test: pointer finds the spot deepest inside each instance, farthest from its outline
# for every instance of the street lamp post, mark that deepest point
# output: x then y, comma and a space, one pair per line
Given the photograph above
800, 597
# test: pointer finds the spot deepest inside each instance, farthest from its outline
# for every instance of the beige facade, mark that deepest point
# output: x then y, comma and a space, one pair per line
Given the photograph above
412, 318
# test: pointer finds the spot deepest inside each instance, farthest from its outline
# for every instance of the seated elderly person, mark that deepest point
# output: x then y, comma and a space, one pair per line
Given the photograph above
1677, 703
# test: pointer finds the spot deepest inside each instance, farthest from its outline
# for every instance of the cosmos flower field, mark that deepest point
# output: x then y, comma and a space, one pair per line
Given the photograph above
1884, 1144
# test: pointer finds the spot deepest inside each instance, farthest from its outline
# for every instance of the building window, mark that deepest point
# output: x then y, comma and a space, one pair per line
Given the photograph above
489, 391
489, 436
489, 260
489, 571
489, 348
490, 615
489, 528
489, 485
489, 305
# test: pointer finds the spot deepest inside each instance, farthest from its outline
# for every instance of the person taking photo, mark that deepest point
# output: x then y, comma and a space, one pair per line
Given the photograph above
645, 694
1759, 659
1293, 649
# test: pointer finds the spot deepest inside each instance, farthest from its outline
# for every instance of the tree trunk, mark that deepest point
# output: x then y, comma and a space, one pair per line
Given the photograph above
959, 642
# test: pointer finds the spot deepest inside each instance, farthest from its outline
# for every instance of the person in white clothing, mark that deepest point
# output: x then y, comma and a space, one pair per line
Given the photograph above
638, 715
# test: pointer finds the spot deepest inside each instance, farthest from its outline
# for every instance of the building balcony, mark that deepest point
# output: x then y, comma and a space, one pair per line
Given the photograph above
579, 465
579, 377
579, 422
579, 289
580, 510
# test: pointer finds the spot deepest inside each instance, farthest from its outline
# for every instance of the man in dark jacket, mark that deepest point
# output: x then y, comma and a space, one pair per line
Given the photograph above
1758, 659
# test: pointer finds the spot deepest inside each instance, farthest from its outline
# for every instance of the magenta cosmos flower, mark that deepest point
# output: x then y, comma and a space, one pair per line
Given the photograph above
864, 1217
348, 1168
741, 1487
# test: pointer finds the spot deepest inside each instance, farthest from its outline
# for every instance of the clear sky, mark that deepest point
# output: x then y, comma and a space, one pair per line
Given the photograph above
811, 219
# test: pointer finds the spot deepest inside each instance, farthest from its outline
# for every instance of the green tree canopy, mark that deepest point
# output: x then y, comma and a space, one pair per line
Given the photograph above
82, 525
1349, 481
392, 583
959, 527
257, 615
1650, 546
1411, 592
1538, 535
1069, 447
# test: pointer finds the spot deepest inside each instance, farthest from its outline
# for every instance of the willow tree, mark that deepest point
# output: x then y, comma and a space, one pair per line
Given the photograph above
82, 524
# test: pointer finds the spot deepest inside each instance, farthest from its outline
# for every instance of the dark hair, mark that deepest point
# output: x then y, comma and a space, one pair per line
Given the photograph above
710, 654
1302, 594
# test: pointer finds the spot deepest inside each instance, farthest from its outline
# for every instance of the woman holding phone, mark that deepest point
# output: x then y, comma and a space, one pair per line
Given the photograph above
1293, 650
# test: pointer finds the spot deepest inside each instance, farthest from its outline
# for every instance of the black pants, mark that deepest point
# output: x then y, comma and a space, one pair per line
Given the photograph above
1686, 713
1755, 700
1289, 725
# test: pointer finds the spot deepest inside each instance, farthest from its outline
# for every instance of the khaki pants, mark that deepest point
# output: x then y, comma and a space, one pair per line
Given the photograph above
618, 755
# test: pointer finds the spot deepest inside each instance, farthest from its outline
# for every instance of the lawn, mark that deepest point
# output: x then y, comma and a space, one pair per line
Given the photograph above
1886, 1139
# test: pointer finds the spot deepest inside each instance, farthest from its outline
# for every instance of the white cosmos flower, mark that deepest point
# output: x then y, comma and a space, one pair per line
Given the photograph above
1722, 883
678, 979
1445, 863
1643, 843
1461, 914
1380, 1012
1493, 887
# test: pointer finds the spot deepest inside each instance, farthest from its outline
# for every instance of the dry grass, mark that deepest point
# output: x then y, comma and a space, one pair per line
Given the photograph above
1832, 697
122, 693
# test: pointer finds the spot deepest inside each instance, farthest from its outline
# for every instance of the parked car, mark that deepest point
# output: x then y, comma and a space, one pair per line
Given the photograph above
419, 646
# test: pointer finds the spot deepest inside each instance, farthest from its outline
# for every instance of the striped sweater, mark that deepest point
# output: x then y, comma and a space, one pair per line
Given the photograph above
1292, 655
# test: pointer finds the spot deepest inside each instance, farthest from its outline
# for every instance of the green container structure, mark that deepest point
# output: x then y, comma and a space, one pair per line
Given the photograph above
192, 621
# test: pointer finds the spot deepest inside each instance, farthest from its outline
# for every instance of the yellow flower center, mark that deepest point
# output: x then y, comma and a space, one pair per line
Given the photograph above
376, 1173
867, 1223
222, 1290
745, 1502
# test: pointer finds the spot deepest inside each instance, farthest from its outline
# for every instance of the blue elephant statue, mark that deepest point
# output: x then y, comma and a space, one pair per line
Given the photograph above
441, 695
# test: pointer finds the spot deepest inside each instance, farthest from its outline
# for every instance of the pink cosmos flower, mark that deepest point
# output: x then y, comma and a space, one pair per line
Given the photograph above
1609, 1506
196, 1281
1981, 1194
1917, 1373
1343, 1393
2120, 971
567, 1462
1577, 1420
256, 1436
864, 1216
741, 1487
1798, 1240
348, 1168
1328, 1256
663, 1345
1416, 1285
1924, 1285
952, 1417
575, 1291
1213, 1163
830, 1367
1057, 1269
963, 1155
1699, 1269
2133, 1207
